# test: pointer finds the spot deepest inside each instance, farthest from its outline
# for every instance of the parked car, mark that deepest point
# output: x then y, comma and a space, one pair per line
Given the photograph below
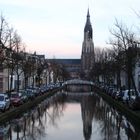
127, 95
51, 86
4, 102
119, 95
114, 94
24, 95
134, 103
35, 90
57, 85
16, 99
30, 93
110, 91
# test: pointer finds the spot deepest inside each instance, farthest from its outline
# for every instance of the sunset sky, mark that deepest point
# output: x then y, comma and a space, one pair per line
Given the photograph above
55, 27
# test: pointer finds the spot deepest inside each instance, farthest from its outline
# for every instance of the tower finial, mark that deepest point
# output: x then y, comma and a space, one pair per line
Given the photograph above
88, 13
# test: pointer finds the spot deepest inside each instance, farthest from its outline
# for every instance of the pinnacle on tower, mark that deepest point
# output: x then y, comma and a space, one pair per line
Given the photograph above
88, 27
88, 13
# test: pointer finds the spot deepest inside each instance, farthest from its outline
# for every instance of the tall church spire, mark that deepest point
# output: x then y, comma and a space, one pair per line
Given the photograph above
88, 27
88, 13
87, 57
88, 17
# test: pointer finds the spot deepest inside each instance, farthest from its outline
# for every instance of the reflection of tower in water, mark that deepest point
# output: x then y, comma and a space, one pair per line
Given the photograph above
87, 110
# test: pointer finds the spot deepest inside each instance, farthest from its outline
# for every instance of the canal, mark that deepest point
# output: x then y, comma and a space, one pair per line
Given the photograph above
71, 116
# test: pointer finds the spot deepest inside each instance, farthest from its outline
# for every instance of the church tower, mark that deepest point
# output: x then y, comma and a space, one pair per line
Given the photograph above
87, 57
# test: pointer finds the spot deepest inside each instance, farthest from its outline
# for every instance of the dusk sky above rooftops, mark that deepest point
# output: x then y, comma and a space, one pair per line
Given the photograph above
55, 27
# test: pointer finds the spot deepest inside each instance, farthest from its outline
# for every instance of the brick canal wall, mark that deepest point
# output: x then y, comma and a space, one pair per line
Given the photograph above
17, 111
133, 116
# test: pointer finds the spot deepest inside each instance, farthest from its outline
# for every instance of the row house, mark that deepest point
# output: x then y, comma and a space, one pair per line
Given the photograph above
10, 81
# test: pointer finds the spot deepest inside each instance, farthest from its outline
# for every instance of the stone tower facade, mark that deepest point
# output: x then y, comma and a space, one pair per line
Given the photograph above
87, 57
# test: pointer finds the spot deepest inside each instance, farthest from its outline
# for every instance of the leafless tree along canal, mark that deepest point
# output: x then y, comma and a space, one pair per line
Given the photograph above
71, 116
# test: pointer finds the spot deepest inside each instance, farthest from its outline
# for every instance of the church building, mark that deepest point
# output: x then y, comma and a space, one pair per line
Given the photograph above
87, 56
80, 68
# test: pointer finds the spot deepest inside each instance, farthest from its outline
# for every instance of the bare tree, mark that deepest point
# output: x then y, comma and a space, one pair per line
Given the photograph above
26, 68
41, 66
103, 66
125, 47
6, 45
9, 63
15, 59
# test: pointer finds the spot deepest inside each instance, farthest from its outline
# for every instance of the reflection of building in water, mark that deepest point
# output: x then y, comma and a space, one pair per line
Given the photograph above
87, 110
79, 88
77, 85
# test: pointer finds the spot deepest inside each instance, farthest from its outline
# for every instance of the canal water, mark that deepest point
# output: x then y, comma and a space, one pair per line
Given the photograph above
71, 116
